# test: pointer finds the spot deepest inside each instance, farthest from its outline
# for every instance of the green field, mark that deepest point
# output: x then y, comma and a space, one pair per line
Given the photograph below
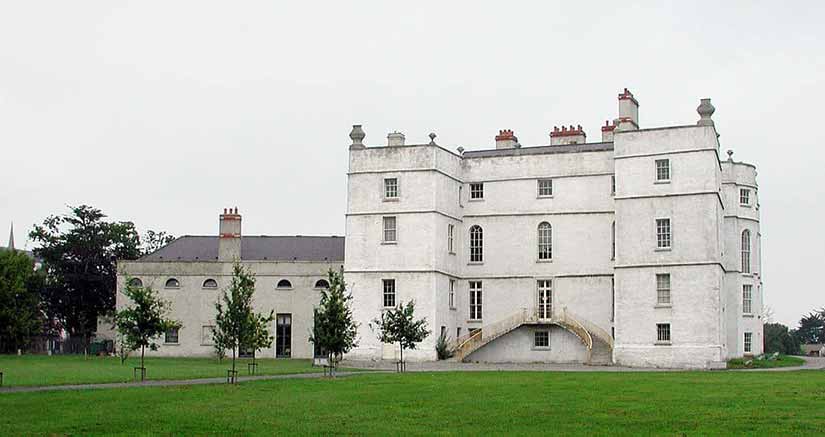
780, 361
74, 369
461, 403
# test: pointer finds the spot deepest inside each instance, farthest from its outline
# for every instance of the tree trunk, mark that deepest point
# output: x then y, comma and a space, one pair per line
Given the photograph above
401, 345
233, 365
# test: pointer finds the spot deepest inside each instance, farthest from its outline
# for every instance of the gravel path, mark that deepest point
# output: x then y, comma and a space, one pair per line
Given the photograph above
372, 367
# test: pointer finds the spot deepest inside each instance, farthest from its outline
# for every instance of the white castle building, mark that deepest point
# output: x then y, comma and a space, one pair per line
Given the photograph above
642, 249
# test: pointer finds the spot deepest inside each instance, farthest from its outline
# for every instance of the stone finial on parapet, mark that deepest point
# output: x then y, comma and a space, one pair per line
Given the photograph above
432, 138
705, 110
357, 136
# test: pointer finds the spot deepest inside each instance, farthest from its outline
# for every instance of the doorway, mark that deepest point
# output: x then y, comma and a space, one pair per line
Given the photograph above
545, 299
283, 336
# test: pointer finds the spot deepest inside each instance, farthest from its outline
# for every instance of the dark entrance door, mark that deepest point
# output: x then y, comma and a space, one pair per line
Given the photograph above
283, 336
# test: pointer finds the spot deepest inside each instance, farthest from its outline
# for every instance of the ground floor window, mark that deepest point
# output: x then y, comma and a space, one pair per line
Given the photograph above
541, 339
748, 342
207, 335
457, 332
663, 332
171, 336
283, 335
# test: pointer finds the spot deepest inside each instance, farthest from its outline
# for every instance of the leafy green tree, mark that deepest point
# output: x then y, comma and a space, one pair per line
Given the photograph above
261, 337
153, 240
779, 339
236, 326
812, 327
79, 251
144, 320
20, 314
335, 331
399, 325
442, 347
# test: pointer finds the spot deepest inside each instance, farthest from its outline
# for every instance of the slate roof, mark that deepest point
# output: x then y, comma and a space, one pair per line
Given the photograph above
254, 248
540, 150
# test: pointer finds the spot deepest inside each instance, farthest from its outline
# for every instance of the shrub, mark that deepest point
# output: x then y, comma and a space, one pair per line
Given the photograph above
442, 347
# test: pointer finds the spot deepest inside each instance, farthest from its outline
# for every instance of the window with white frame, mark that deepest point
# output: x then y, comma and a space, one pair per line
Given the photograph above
391, 188
541, 339
545, 241
389, 293
663, 288
451, 295
545, 187
744, 196
475, 300
747, 299
544, 287
476, 191
390, 234
746, 251
207, 335
663, 236
450, 238
748, 342
663, 332
476, 244
662, 170
171, 336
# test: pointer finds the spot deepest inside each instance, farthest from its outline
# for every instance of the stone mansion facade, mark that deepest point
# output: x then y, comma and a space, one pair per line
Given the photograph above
642, 249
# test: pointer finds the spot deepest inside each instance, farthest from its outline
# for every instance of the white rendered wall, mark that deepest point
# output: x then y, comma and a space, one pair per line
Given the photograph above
518, 347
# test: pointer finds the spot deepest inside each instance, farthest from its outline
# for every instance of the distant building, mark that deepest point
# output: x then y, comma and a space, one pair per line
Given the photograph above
813, 350
38, 263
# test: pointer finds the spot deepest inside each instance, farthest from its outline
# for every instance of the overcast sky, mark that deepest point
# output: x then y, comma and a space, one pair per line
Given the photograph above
163, 113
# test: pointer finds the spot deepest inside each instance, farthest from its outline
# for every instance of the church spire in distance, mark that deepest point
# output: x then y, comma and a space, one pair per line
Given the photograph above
11, 237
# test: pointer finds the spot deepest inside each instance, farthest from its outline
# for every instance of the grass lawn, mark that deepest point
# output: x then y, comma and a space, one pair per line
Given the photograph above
780, 361
474, 403
74, 369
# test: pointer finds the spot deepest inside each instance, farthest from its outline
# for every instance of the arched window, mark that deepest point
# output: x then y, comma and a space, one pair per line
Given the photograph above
210, 283
476, 244
284, 283
321, 283
545, 241
172, 283
135, 282
746, 251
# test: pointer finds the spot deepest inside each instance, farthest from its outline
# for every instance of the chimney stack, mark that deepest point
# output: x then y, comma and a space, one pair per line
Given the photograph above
229, 237
607, 131
565, 135
395, 139
506, 139
628, 112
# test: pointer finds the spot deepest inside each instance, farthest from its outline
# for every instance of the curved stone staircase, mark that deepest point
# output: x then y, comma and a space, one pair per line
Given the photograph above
598, 342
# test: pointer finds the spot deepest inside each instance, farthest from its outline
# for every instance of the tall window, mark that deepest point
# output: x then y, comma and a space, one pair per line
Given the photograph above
475, 300
746, 251
545, 187
663, 332
391, 188
744, 196
450, 232
545, 298
748, 342
476, 244
545, 241
747, 299
662, 170
476, 191
389, 293
451, 295
663, 289
613, 241
612, 185
390, 234
663, 239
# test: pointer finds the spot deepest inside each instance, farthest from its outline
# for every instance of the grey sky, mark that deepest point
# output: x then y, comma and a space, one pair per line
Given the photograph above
165, 112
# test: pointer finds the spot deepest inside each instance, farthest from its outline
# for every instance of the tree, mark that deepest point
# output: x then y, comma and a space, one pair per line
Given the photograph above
335, 331
779, 339
399, 325
261, 337
20, 313
142, 322
152, 241
79, 252
812, 327
236, 326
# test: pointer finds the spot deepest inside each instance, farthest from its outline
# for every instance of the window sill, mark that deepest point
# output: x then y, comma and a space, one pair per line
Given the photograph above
171, 288
475, 263
663, 181
663, 305
171, 344
390, 199
662, 249
209, 288
747, 315
745, 205
544, 260
451, 253
389, 243
662, 343
544, 197
474, 320
747, 275
540, 348
284, 288
476, 200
